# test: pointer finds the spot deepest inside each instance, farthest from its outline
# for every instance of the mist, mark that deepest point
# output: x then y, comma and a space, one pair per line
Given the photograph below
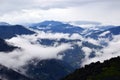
31, 49
106, 53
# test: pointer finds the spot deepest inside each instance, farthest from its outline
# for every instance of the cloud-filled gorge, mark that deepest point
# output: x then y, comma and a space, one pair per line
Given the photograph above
30, 48
49, 39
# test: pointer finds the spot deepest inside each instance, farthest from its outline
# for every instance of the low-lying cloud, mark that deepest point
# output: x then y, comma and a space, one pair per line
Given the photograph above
30, 50
109, 51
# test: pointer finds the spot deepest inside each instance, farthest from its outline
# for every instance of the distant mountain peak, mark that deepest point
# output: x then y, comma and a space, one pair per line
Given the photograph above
56, 27
10, 31
50, 22
4, 23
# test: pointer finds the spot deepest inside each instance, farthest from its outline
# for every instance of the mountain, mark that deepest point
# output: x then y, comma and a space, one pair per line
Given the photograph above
4, 47
109, 70
56, 27
9, 74
71, 56
54, 69
9, 31
107, 33
115, 30
51, 69
94, 29
4, 23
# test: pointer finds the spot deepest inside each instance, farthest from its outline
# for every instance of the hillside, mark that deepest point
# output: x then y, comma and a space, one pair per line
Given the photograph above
5, 47
109, 70
9, 31
48, 69
56, 27
105, 33
9, 74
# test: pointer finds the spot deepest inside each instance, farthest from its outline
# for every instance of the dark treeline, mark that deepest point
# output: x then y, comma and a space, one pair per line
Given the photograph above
109, 70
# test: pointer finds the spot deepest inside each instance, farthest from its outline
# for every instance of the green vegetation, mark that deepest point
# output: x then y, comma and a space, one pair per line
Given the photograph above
109, 70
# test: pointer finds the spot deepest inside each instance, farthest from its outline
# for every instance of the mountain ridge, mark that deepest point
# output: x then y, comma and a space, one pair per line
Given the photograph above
108, 70
56, 26
9, 31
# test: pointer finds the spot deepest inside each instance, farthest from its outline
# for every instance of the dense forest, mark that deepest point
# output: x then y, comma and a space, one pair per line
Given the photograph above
109, 70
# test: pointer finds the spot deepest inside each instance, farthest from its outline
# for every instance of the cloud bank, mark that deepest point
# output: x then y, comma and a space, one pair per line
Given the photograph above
29, 51
109, 51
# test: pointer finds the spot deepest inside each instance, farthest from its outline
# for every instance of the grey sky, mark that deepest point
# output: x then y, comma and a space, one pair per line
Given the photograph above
106, 11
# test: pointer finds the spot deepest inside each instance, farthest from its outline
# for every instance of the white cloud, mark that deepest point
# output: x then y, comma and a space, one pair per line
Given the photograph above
29, 51
17, 11
87, 51
110, 51
45, 4
10, 5
47, 35
104, 33
93, 41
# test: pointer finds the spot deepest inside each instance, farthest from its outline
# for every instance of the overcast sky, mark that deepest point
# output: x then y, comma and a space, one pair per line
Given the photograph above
24, 11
